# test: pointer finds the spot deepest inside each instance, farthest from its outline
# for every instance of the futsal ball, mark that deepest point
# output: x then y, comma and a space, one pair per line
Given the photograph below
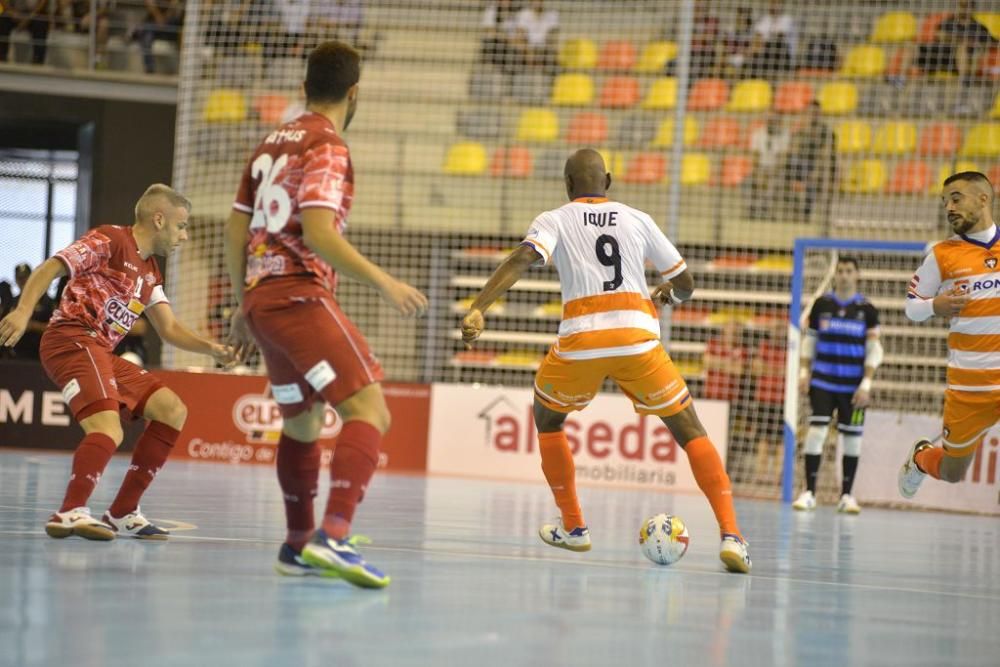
663, 539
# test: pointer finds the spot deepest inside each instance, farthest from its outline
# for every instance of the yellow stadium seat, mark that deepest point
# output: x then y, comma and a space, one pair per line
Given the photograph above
225, 105
573, 90
537, 125
661, 95
578, 54
838, 98
696, 169
614, 163
466, 158
665, 134
751, 95
983, 139
864, 61
946, 170
894, 27
853, 136
896, 138
865, 177
991, 21
655, 57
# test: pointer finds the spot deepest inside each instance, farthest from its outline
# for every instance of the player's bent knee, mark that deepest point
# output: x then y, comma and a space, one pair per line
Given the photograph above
685, 426
107, 423
167, 407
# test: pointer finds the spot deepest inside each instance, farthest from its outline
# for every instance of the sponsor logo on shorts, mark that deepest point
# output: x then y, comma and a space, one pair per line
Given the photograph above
287, 394
70, 391
321, 375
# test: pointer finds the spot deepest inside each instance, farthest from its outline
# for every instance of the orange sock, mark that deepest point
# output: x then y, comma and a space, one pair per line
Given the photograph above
713, 482
560, 472
929, 460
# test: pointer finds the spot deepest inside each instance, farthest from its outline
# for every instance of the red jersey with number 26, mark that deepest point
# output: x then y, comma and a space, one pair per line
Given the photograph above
110, 284
300, 165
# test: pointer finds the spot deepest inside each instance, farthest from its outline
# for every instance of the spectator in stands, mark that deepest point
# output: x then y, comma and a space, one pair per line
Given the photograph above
736, 43
769, 143
31, 15
704, 42
768, 369
27, 347
537, 35
812, 162
499, 43
774, 43
725, 360
74, 16
338, 19
163, 21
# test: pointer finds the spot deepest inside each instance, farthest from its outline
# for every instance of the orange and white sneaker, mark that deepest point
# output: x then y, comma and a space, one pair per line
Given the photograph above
78, 521
134, 524
555, 535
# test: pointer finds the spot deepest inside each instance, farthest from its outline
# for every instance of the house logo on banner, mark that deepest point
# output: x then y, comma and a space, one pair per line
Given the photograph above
259, 418
489, 431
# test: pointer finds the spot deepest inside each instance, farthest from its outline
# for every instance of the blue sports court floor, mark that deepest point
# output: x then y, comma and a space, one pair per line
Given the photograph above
473, 585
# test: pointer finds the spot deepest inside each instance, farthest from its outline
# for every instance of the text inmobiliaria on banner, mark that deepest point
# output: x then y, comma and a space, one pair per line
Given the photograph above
488, 431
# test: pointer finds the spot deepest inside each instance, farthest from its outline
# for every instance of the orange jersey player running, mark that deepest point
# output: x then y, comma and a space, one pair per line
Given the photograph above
284, 251
960, 280
113, 279
610, 328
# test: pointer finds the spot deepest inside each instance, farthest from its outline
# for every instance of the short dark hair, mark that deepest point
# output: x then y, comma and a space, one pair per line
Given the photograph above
333, 68
972, 176
849, 259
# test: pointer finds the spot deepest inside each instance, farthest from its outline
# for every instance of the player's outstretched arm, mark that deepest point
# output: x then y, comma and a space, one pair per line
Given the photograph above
161, 316
508, 273
13, 326
322, 238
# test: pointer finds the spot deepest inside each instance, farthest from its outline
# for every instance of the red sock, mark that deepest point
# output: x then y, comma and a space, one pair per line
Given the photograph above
713, 481
150, 454
929, 460
560, 472
354, 463
89, 461
298, 475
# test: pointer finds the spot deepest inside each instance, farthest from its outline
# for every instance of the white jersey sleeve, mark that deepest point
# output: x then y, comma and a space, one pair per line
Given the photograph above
661, 252
543, 236
923, 287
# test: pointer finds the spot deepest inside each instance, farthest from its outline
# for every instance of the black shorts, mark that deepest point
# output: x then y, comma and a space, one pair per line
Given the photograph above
850, 420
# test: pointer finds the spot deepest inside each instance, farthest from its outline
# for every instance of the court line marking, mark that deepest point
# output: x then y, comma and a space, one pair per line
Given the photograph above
564, 561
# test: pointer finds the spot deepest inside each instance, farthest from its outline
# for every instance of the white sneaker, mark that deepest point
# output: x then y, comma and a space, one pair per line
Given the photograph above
910, 476
734, 554
78, 521
806, 502
134, 524
848, 505
555, 535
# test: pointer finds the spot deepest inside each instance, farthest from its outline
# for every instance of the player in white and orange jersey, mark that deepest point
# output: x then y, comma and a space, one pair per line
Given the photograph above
609, 328
960, 279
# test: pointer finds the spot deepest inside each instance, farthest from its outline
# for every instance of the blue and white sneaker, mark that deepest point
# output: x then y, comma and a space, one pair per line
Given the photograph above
340, 559
291, 564
733, 553
555, 535
134, 524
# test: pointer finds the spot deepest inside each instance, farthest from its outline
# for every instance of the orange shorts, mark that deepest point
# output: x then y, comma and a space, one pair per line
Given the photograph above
967, 417
650, 379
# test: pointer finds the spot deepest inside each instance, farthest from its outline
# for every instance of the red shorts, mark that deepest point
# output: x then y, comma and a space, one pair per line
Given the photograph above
91, 378
312, 350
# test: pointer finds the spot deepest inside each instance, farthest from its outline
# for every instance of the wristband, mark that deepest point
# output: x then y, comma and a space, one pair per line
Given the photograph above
673, 299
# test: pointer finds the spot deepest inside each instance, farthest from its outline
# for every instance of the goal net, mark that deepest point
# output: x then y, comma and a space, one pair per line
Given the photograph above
739, 126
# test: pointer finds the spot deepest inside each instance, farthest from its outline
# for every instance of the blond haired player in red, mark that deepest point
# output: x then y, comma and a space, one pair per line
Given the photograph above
960, 280
113, 279
610, 327
285, 243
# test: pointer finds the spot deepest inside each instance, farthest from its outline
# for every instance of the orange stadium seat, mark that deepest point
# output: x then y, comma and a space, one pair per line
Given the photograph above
939, 139
572, 90
515, 162
620, 92
911, 177
665, 134
721, 132
662, 94
994, 175
708, 95
466, 158
225, 105
929, 26
538, 125
655, 56
838, 97
982, 139
894, 27
750, 96
271, 108
587, 128
735, 170
646, 168
577, 54
989, 64
864, 61
895, 138
793, 96
865, 177
617, 55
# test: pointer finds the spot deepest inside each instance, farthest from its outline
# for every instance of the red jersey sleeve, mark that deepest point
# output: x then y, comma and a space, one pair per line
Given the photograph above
324, 174
244, 196
87, 254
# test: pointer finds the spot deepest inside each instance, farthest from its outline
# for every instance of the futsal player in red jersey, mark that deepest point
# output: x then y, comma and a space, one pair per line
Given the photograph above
113, 279
285, 250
